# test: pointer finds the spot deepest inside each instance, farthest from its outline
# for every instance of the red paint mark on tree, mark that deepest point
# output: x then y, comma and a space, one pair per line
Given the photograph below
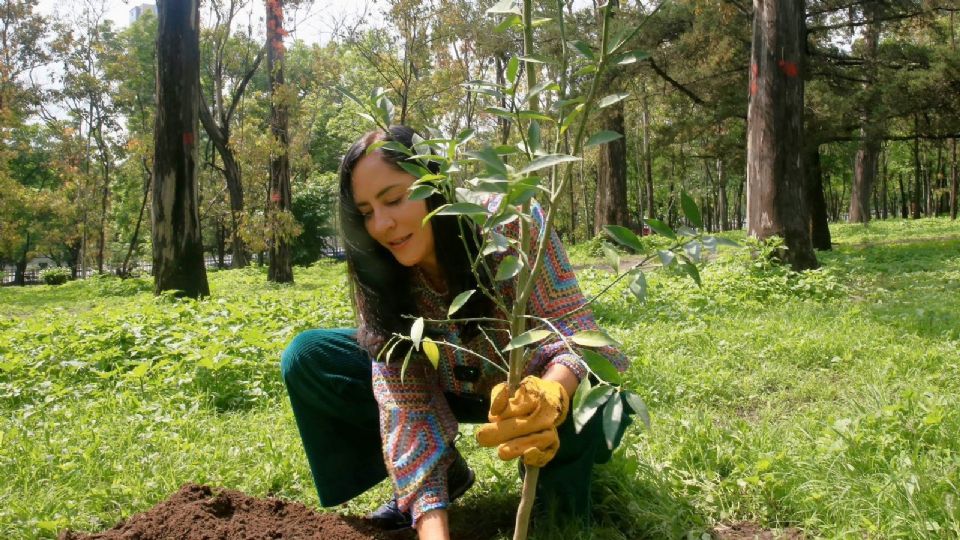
188, 137
754, 73
755, 69
788, 68
275, 196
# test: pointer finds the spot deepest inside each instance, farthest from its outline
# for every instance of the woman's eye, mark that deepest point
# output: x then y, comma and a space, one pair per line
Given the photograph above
395, 202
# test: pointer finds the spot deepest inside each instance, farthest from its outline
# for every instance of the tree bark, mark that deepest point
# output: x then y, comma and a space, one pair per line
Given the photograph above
955, 179
177, 246
281, 268
776, 204
819, 223
611, 202
722, 196
647, 162
865, 168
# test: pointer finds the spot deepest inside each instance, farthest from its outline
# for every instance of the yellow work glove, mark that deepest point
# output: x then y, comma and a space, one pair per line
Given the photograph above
525, 424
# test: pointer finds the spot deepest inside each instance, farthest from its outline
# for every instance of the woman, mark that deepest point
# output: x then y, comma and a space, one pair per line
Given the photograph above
361, 418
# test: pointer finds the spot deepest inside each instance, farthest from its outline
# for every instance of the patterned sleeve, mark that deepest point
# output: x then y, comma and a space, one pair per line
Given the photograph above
417, 428
556, 296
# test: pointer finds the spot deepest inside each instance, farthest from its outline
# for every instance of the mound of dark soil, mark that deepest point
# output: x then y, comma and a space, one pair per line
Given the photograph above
202, 513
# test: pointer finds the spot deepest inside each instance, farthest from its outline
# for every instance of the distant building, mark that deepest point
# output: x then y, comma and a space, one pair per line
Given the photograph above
138, 11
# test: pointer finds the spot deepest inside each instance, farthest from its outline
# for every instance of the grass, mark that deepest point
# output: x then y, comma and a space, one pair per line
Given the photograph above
824, 400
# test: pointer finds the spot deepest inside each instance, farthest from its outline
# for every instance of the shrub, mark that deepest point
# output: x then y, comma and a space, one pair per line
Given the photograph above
55, 276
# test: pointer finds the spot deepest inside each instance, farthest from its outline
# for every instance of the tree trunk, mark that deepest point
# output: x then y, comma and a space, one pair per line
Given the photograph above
865, 168
124, 270
775, 189
819, 223
232, 175
884, 182
955, 182
177, 246
611, 202
647, 163
281, 269
20, 268
917, 180
722, 196
903, 198
104, 201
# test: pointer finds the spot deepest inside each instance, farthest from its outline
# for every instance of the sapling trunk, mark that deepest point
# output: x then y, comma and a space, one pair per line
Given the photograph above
525, 282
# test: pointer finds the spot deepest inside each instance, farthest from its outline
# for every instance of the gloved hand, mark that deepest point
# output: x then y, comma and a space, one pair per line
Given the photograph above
525, 424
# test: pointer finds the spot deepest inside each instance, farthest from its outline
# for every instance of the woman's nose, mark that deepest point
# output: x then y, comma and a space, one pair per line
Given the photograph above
383, 221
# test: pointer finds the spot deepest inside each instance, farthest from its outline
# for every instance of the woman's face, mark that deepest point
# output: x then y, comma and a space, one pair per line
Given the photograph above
380, 192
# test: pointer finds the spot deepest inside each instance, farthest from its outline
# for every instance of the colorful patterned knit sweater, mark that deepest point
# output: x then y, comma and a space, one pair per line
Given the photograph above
416, 424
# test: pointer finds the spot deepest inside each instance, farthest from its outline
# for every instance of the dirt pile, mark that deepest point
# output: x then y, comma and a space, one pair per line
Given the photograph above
198, 512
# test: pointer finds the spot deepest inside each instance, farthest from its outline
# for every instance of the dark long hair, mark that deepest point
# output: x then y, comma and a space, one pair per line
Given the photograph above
381, 285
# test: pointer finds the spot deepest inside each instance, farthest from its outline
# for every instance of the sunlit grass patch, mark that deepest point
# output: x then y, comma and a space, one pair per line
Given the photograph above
822, 400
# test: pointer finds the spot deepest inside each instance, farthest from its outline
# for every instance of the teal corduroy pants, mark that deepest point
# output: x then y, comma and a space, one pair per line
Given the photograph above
328, 379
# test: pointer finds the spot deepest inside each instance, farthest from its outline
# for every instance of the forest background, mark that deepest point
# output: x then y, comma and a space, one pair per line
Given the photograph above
881, 117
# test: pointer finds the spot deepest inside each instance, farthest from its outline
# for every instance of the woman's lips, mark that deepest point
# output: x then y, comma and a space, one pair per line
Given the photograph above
399, 243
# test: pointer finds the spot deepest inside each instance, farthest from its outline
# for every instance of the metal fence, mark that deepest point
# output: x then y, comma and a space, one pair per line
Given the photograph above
144, 268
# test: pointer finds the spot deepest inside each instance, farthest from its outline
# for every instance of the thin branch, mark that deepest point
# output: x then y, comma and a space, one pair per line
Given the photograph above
673, 82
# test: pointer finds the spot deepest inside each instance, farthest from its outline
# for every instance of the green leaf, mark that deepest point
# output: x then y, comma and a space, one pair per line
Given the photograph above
389, 352
613, 258
602, 137
584, 48
491, 159
631, 57
513, 67
600, 365
393, 146
527, 338
639, 286
624, 236
533, 115
533, 137
459, 301
547, 161
421, 192
690, 210
509, 22
667, 257
593, 338
661, 228
505, 6
693, 272
406, 362
543, 87
462, 209
612, 99
507, 216
638, 406
612, 418
416, 332
415, 170
509, 267
535, 59
139, 371
693, 250
594, 399
498, 244
580, 395
432, 352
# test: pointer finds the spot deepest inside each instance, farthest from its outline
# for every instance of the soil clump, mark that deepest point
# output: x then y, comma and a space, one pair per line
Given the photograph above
198, 512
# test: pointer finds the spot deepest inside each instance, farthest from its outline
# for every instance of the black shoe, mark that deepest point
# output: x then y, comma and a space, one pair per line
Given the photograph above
389, 517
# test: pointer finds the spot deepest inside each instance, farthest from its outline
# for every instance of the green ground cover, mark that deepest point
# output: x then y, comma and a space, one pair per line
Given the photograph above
824, 400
